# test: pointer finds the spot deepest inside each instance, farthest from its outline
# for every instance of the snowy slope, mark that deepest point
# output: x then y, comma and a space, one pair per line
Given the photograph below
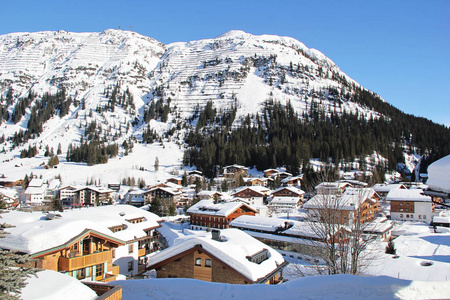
235, 69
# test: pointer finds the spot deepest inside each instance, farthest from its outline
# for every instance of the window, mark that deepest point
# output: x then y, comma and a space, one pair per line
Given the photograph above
74, 247
420, 216
424, 217
401, 215
198, 261
130, 248
130, 266
208, 263
99, 271
407, 216
81, 273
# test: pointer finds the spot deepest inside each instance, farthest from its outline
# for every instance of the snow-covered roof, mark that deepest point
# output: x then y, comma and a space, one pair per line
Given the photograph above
208, 193
347, 201
233, 249
54, 184
259, 223
9, 192
207, 207
49, 284
36, 190
291, 189
331, 185
407, 195
291, 178
439, 175
284, 201
291, 228
256, 189
385, 187
36, 182
33, 233
166, 189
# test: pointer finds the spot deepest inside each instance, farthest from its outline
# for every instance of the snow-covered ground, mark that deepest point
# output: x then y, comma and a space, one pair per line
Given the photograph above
315, 287
117, 168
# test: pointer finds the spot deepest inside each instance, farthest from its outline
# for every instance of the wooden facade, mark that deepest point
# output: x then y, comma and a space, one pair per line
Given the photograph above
217, 221
87, 256
198, 263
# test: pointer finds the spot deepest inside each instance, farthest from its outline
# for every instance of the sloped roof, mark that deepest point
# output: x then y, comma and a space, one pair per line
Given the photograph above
257, 189
235, 246
291, 189
407, 195
439, 175
33, 233
207, 207
349, 200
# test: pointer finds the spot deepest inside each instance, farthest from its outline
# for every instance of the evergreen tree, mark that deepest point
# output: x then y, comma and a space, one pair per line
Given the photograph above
13, 270
390, 248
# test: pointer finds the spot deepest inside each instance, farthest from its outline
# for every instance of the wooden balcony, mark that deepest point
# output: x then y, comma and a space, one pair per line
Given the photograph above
78, 262
141, 252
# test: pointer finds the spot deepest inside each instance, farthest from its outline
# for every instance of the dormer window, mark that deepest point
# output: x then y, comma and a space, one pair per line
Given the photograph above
117, 228
136, 220
259, 257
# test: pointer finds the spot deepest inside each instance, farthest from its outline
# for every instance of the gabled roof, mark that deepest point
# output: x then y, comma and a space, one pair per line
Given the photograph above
82, 235
257, 189
291, 189
407, 195
438, 175
291, 178
349, 200
36, 182
284, 201
232, 251
165, 189
384, 187
36, 190
33, 233
207, 207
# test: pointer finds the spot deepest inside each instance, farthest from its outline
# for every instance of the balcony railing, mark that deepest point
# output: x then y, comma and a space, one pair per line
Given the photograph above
78, 262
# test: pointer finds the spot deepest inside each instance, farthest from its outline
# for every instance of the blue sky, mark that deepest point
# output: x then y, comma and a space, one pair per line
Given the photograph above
398, 49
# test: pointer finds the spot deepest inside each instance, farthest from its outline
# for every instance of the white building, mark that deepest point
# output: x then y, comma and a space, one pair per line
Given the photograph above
35, 193
409, 205
284, 204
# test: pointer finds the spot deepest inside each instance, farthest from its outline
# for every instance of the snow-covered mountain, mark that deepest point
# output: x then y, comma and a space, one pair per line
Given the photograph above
235, 69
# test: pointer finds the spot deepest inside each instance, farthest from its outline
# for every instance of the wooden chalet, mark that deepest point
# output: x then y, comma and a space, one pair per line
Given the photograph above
288, 191
228, 256
235, 171
206, 214
383, 189
354, 205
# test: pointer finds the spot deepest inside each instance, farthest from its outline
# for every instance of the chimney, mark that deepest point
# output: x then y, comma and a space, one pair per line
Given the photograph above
215, 235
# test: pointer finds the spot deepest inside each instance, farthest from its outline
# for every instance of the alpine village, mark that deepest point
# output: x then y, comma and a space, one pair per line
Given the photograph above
244, 160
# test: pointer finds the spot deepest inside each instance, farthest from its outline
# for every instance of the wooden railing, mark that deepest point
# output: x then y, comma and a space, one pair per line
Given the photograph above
78, 262
106, 291
115, 270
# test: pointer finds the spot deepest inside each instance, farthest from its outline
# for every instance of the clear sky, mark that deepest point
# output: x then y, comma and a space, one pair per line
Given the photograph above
399, 49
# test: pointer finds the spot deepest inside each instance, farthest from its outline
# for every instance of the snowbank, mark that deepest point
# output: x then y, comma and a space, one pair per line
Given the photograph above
315, 287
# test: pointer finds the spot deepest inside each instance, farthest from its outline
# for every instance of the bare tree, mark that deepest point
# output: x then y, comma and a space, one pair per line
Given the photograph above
338, 221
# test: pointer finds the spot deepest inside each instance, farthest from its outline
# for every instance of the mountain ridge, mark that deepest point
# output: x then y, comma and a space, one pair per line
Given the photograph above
127, 86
